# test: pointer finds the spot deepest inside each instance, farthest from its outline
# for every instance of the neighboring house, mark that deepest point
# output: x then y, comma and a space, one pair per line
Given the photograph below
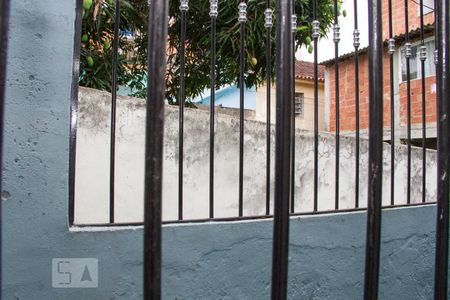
347, 79
229, 97
304, 97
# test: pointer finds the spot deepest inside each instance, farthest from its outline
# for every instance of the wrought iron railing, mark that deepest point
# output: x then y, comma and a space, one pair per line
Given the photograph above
284, 166
182, 98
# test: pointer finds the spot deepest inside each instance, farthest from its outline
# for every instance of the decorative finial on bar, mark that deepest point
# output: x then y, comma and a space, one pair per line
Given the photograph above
315, 29
356, 39
391, 46
423, 52
242, 12
294, 23
408, 50
268, 19
213, 8
184, 5
336, 34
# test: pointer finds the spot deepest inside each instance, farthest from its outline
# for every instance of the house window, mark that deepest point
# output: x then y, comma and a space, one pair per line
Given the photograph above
415, 64
299, 104
428, 7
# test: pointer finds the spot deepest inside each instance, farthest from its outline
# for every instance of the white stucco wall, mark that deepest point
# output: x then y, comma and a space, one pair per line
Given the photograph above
92, 165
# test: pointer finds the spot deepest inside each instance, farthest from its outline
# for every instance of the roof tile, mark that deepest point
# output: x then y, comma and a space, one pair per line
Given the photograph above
305, 70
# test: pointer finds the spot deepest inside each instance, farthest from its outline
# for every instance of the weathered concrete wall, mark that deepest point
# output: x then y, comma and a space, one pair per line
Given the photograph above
210, 261
249, 114
92, 173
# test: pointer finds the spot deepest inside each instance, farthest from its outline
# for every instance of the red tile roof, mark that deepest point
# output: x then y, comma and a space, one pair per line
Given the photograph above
305, 70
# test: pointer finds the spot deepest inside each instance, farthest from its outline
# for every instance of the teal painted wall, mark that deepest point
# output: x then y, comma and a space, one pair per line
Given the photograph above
209, 261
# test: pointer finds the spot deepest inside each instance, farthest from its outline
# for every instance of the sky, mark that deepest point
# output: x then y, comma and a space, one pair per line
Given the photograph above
346, 43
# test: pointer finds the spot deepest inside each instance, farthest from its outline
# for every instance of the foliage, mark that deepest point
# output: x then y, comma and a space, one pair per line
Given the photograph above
98, 32
97, 46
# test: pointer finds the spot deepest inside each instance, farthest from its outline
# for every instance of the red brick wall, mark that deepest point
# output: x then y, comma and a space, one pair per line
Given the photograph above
398, 17
347, 94
347, 107
347, 81
416, 101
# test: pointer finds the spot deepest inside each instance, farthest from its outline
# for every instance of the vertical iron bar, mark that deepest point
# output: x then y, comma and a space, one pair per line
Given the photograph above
73, 107
242, 20
268, 25
391, 81
154, 145
294, 30
315, 35
436, 29
4, 22
423, 57
181, 100
443, 126
408, 101
336, 67
284, 83
213, 15
375, 151
292, 178
356, 44
112, 155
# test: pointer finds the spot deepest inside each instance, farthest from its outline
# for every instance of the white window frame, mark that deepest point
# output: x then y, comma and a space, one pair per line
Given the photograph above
430, 59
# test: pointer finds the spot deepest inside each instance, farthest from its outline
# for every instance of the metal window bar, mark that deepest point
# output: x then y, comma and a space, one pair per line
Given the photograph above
423, 57
442, 9
154, 144
268, 23
294, 30
356, 43
372, 259
391, 78
284, 141
4, 23
74, 108
184, 6
436, 28
258, 217
112, 145
408, 101
336, 39
284, 82
315, 36
242, 20
213, 13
